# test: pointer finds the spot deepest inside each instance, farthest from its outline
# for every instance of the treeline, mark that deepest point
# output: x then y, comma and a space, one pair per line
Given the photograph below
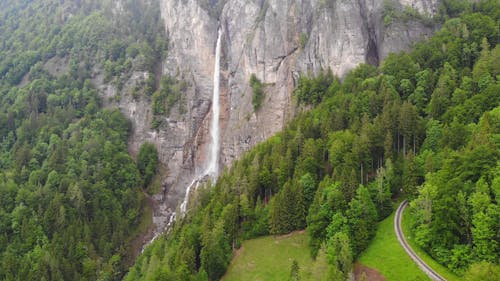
426, 117
70, 196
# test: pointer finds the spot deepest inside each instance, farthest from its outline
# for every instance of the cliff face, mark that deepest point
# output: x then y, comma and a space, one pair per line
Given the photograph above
277, 40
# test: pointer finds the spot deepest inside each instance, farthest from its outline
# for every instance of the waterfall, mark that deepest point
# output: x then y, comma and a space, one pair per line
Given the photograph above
212, 165
213, 159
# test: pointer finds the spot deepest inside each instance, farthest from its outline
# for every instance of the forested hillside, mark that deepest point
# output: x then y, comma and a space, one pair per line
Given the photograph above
423, 126
70, 195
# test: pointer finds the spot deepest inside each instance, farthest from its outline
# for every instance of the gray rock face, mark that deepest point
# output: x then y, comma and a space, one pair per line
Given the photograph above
277, 40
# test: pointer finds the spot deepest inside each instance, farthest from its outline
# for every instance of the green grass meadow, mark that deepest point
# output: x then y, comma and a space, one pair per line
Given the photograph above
270, 259
386, 255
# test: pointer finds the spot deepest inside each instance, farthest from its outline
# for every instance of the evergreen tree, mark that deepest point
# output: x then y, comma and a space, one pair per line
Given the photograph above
360, 215
380, 190
339, 256
410, 176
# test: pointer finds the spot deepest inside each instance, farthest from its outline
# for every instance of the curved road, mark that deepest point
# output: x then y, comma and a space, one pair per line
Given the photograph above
399, 233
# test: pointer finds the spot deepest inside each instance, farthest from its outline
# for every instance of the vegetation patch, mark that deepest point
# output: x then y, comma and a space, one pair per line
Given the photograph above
71, 202
303, 40
169, 94
147, 162
312, 91
392, 13
258, 93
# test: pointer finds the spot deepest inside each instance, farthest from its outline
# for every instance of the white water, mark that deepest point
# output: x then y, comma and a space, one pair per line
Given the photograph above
213, 163
184, 203
212, 166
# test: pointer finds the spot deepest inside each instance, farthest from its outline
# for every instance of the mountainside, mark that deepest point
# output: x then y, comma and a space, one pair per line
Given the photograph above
277, 41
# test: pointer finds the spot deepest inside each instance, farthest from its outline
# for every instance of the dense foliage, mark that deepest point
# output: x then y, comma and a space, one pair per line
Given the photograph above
427, 117
70, 197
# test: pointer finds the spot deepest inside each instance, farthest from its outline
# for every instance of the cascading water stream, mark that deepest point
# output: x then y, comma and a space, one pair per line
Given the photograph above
194, 183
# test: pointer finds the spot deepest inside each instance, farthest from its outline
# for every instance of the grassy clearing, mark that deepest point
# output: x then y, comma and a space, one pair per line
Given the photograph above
443, 271
270, 259
386, 255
